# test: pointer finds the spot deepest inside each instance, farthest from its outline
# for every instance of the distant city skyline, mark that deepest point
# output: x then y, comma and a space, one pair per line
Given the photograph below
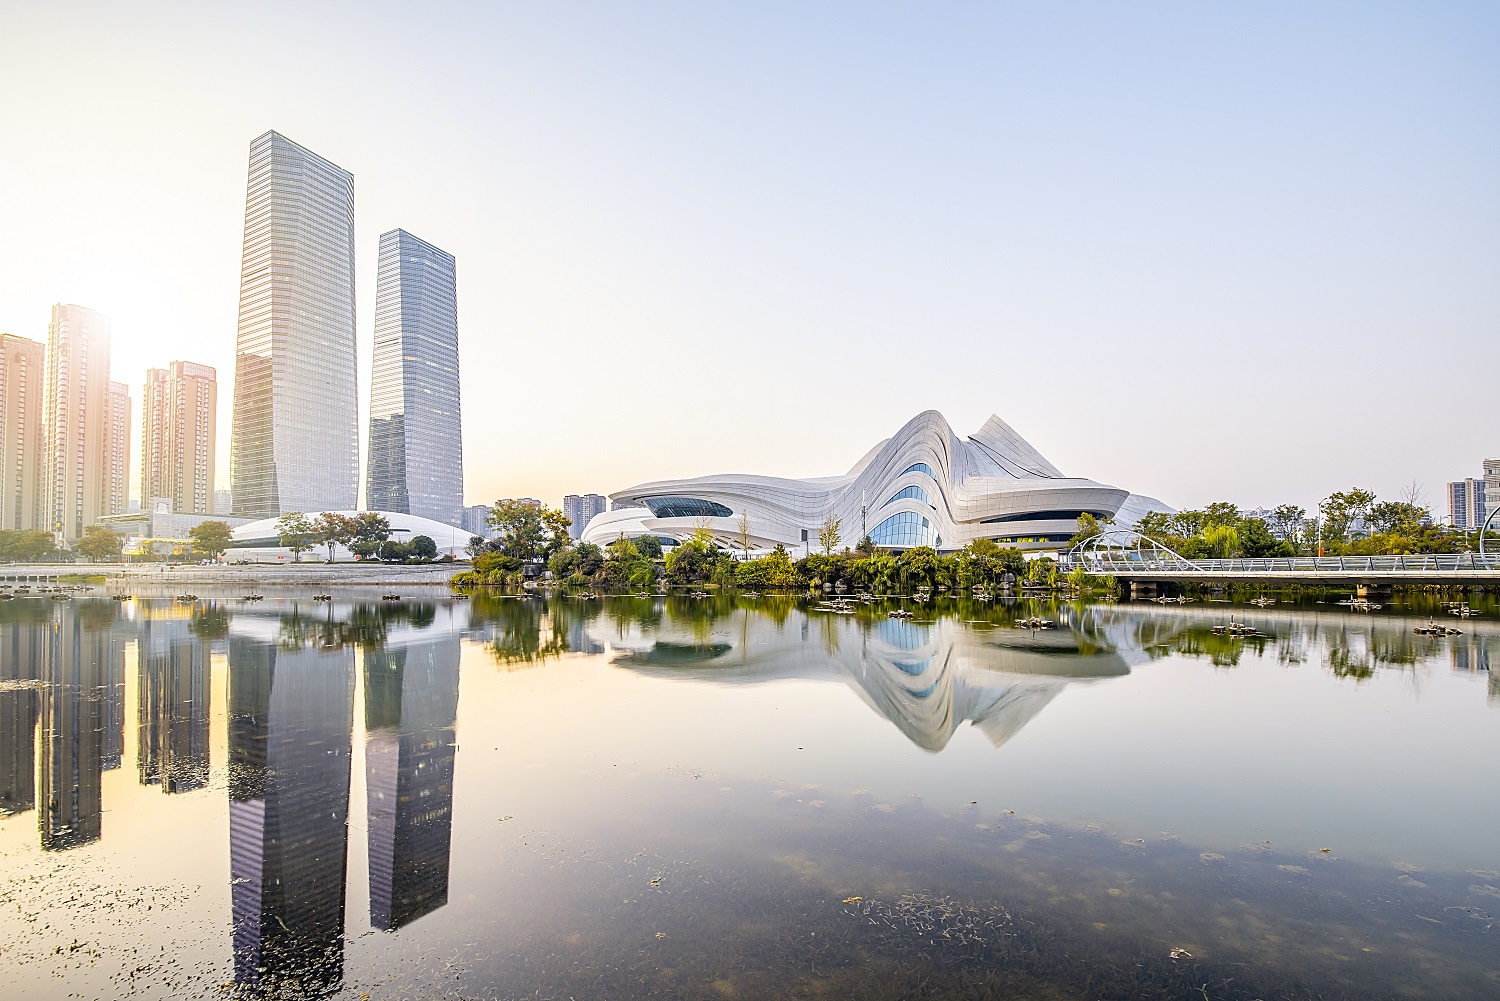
1147, 234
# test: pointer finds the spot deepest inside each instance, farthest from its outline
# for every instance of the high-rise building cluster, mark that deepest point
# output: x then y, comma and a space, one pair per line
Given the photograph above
294, 443
65, 440
1473, 499
65, 443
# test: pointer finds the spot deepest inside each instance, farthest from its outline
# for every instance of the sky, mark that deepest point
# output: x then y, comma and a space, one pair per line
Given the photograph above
1204, 252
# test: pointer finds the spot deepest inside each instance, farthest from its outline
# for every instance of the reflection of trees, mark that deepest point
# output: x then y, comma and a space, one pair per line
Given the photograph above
532, 629
210, 622
365, 626
1344, 662
1220, 650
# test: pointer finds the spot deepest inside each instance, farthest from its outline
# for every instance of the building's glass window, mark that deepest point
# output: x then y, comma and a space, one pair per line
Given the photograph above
1010, 540
686, 507
920, 467
911, 493
905, 530
1044, 516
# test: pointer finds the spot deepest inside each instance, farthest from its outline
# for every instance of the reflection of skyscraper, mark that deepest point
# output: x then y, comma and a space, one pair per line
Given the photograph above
411, 705
20, 659
295, 439
416, 456
172, 707
76, 662
290, 732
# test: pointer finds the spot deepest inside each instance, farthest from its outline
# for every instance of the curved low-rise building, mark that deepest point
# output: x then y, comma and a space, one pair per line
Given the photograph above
924, 486
259, 542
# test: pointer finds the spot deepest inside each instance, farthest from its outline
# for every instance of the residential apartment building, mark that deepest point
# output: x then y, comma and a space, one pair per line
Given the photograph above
579, 508
76, 420
1466, 508
1491, 487
179, 428
117, 451
22, 446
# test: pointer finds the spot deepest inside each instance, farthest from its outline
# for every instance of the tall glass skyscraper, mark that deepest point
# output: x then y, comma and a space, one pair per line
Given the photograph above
416, 458
294, 445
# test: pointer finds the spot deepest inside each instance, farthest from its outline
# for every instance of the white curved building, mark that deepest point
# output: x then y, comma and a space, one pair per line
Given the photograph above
924, 486
259, 542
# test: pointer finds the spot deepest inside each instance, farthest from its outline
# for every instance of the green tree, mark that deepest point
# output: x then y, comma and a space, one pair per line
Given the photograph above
1088, 528
369, 530
294, 531
1286, 522
27, 545
99, 544
331, 528
423, 547
1223, 541
530, 533
1342, 509
828, 534
396, 551
210, 538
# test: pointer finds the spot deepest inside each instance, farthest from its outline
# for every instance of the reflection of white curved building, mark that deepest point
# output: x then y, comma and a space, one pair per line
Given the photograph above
259, 542
924, 486
927, 678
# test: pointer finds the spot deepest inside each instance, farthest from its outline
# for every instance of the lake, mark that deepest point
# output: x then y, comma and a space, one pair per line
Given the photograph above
739, 797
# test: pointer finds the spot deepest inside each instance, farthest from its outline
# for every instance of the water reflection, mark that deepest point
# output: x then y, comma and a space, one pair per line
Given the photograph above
927, 677
172, 706
82, 720
290, 733
411, 707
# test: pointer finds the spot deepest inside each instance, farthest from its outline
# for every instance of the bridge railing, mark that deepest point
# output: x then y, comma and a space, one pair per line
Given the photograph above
1116, 561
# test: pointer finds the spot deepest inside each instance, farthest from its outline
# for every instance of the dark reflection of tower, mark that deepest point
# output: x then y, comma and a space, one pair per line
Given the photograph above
290, 730
172, 706
411, 706
78, 661
21, 640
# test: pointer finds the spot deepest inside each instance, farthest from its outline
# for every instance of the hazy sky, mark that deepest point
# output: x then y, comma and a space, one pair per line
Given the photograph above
1244, 251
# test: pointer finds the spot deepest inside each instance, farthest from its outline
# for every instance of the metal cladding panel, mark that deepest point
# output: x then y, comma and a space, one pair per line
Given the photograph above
992, 474
295, 440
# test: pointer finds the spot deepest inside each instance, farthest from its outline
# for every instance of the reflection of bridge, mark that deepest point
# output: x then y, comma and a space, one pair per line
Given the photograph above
1131, 557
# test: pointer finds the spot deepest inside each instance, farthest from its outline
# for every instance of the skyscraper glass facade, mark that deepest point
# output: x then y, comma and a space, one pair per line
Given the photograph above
294, 445
416, 456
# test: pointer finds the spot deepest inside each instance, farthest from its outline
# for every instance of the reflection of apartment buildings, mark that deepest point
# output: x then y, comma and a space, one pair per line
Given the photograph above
411, 705
172, 706
21, 450
20, 663
79, 706
290, 732
1469, 653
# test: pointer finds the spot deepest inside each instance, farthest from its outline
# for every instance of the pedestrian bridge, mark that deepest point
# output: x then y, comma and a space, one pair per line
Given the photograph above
1131, 557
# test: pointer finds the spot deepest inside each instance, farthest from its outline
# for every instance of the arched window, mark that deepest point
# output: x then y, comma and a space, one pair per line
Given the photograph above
905, 530
911, 493
686, 507
919, 467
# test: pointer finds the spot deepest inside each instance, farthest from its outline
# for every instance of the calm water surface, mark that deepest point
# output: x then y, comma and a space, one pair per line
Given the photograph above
744, 798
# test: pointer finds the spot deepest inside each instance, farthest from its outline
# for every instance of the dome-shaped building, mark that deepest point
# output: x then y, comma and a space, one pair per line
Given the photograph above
259, 542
